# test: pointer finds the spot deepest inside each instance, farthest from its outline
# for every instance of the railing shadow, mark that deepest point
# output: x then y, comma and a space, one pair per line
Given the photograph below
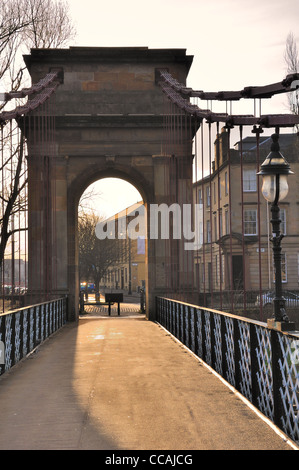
261, 363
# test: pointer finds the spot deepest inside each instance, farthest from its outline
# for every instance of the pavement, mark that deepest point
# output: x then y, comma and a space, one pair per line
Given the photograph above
124, 383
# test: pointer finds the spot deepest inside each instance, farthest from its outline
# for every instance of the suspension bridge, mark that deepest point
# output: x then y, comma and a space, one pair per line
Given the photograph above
127, 113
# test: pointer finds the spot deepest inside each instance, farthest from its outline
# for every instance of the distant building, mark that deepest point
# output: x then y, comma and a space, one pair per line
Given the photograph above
128, 272
15, 274
234, 226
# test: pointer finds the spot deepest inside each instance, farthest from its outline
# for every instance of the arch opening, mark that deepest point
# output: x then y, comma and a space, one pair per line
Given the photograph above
112, 248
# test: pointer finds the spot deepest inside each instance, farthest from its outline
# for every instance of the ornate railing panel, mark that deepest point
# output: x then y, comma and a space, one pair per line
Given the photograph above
21, 331
261, 363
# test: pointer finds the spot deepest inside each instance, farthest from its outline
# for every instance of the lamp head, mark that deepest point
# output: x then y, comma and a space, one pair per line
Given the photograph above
275, 170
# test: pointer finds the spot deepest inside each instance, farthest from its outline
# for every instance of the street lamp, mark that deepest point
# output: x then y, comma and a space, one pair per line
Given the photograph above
275, 171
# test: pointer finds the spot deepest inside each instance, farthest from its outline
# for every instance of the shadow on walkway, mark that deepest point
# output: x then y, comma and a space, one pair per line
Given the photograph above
123, 383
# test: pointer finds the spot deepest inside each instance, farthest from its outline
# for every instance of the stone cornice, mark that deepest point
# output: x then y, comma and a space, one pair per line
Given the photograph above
109, 55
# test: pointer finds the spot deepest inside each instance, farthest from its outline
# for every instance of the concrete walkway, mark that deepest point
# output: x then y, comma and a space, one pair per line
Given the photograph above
123, 384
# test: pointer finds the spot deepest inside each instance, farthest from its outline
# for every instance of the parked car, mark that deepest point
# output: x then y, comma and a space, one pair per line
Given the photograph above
291, 299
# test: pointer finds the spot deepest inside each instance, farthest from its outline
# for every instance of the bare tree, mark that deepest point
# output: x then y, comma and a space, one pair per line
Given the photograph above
49, 24
12, 197
87, 201
13, 21
24, 24
292, 62
291, 54
95, 255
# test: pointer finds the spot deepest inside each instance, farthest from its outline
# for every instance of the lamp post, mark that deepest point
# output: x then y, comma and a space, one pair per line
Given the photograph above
274, 171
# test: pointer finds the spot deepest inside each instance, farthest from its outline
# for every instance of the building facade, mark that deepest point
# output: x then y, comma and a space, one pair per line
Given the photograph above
235, 258
127, 272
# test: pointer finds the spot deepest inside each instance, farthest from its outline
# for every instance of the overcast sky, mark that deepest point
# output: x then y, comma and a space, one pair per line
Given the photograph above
235, 43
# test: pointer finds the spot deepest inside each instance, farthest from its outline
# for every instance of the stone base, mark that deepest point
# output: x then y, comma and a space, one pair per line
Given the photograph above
280, 325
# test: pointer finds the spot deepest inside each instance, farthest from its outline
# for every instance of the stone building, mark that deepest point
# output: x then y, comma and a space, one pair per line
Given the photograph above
236, 254
128, 272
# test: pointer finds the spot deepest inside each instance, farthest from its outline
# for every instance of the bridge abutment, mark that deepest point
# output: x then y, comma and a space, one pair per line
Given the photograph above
109, 118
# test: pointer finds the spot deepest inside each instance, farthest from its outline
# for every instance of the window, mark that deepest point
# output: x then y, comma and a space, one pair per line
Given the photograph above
219, 261
283, 225
250, 222
208, 231
208, 196
226, 183
215, 227
199, 196
249, 180
220, 224
227, 222
200, 230
200, 272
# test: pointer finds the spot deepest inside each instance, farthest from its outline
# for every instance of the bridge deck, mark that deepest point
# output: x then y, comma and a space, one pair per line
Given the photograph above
123, 384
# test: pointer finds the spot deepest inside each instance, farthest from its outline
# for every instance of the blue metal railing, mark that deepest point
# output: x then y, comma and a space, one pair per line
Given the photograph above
22, 330
261, 363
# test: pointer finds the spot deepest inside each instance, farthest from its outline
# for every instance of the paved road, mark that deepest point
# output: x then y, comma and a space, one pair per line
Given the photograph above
123, 383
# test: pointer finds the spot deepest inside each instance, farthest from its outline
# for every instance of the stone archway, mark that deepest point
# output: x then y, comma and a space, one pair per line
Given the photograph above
109, 120
75, 192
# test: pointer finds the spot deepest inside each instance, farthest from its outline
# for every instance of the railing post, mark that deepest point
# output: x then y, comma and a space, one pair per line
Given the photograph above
50, 318
167, 320
61, 316
223, 346
198, 333
187, 327
38, 325
2, 346
158, 310
35, 326
192, 329
277, 359
177, 320
13, 338
213, 340
181, 330
65, 309
18, 347
172, 318
206, 337
254, 364
25, 329
237, 355
203, 335
173, 307
163, 306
